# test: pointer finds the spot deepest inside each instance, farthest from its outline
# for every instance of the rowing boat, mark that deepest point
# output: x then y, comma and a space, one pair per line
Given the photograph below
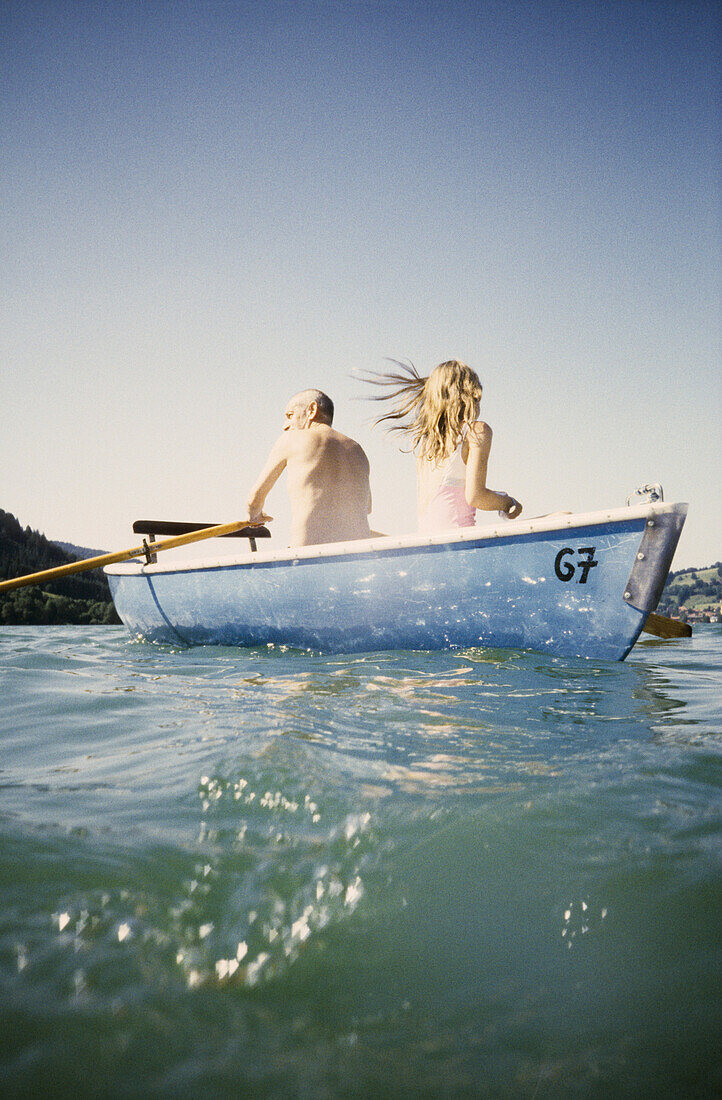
577, 585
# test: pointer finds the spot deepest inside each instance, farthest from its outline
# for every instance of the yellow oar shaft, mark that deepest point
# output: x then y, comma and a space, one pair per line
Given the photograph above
121, 555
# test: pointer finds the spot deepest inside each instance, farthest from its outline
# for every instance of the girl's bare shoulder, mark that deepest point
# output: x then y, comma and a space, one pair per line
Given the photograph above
479, 433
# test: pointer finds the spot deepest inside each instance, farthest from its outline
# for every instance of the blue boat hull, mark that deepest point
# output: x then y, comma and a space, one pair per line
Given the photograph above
561, 589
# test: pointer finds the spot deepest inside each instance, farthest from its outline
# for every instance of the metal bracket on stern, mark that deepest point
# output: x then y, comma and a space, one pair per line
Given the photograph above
654, 557
646, 494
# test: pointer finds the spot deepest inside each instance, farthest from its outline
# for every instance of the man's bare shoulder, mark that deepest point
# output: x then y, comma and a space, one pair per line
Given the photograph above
324, 445
360, 454
349, 444
282, 447
353, 457
321, 436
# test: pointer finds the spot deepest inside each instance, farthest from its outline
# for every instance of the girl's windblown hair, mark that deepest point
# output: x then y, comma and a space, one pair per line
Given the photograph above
433, 411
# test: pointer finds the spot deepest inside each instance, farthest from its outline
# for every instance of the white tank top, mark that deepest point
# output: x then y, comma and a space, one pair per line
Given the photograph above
447, 507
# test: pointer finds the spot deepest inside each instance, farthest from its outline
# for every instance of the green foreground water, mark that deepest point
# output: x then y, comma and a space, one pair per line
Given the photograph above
271, 873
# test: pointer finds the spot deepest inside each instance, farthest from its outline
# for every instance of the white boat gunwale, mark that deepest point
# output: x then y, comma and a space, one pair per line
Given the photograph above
465, 538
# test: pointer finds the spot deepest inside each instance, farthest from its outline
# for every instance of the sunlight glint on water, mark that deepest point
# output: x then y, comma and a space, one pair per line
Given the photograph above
474, 873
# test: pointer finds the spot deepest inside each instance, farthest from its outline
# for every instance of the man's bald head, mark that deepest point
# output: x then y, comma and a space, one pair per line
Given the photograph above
324, 405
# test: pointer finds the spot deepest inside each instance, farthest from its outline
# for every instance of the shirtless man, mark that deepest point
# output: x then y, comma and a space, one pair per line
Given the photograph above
328, 476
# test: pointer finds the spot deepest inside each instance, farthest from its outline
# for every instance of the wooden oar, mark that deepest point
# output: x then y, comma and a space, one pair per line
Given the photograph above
122, 555
662, 627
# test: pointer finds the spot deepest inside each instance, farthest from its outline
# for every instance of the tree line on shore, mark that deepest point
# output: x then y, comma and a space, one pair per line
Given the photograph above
81, 598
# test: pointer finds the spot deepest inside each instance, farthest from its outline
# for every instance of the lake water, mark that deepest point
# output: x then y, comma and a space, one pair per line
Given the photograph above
278, 874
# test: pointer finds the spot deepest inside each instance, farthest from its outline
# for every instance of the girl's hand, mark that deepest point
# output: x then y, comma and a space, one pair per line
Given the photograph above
513, 509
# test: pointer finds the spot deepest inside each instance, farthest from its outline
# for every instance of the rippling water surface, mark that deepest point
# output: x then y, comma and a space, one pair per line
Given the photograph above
273, 873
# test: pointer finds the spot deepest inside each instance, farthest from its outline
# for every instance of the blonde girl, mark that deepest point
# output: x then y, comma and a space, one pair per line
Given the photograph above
440, 416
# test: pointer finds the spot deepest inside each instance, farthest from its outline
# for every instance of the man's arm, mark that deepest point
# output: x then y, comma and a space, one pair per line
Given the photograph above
267, 478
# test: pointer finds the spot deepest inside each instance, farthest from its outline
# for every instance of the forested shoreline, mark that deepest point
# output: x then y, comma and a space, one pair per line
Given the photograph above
83, 598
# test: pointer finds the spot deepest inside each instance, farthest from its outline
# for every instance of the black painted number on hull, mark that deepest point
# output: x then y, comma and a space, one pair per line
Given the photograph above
565, 568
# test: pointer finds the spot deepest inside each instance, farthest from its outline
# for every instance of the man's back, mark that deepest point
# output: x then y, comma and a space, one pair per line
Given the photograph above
328, 476
328, 483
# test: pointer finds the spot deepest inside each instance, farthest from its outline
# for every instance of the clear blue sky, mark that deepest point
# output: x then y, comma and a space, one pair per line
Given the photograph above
205, 207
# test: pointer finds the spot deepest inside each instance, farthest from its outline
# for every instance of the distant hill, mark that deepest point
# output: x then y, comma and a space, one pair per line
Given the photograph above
694, 594
82, 598
78, 551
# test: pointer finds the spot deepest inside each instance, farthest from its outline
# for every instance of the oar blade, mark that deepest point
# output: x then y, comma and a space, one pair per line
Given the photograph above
662, 627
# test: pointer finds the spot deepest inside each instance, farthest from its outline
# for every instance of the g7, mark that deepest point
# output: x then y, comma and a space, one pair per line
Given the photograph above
565, 569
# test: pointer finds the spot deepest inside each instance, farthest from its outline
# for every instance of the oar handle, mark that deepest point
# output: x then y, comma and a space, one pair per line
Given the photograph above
122, 555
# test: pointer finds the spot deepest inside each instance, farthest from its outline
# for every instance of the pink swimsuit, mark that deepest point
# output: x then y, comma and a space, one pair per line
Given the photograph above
448, 507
